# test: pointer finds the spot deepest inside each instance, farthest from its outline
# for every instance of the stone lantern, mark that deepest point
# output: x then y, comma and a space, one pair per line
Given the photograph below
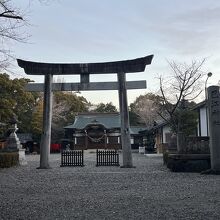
13, 143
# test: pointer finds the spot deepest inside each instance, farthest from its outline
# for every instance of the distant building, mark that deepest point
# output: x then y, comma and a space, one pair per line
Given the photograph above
202, 128
95, 131
99, 131
137, 136
163, 132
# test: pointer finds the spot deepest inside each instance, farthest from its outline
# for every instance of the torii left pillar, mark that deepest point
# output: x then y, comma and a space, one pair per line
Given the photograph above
47, 119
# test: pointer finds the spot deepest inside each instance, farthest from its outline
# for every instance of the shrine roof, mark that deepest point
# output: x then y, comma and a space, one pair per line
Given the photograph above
200, 105
108, 120
135, 130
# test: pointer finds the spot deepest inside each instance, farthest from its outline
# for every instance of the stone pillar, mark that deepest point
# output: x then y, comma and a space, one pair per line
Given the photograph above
125, 131
47, 119
214, 126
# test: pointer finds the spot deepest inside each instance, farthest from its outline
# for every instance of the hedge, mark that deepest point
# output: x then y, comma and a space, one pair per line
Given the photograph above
9, 159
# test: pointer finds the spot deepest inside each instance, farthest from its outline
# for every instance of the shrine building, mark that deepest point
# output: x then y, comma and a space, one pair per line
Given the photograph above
99, 131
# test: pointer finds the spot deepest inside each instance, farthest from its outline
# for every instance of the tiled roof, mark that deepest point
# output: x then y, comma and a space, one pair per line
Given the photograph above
200, 105
108, 120
137, 129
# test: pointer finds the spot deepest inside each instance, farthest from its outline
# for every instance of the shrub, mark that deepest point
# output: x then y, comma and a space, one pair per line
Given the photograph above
8, 159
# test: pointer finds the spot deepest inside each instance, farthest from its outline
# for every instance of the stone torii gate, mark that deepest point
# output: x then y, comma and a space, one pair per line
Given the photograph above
84, 70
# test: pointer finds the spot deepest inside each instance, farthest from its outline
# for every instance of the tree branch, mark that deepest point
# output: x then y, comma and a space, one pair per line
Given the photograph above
9, 13
10, 16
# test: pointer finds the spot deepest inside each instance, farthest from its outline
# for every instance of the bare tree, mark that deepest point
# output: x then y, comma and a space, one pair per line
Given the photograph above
7, 11
11, 22
176, 92
184, 84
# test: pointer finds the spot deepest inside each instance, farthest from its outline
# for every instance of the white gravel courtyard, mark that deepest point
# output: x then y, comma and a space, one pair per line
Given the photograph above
149, 191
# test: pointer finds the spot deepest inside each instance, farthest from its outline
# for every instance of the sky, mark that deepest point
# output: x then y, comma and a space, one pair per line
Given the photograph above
83, 31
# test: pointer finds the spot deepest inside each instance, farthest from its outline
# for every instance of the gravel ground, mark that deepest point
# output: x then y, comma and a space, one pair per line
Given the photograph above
149, 191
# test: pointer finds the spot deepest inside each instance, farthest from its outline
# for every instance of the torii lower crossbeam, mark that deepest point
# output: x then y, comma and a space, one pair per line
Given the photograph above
92, 86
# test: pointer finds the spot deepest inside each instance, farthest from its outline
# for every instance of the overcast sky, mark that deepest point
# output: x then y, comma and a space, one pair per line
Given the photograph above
109, 30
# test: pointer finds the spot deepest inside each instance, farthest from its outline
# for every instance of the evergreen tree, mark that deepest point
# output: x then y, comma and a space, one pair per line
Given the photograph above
109, 107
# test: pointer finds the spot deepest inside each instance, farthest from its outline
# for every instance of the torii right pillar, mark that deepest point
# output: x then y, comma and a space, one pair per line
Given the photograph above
214, 127
125, 131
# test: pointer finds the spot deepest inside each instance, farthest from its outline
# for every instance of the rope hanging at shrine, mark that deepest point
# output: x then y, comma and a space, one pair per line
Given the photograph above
96, 140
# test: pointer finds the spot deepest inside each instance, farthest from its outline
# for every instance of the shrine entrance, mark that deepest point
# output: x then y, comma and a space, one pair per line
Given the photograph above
84, 70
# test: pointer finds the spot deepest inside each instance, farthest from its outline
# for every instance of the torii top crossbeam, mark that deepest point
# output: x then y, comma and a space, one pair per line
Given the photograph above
125, 66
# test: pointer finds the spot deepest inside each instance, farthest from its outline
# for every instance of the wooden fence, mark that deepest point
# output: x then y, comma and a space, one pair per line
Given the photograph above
72, 158
107, 158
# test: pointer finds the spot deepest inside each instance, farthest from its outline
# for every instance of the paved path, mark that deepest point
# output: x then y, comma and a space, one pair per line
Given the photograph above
149, 191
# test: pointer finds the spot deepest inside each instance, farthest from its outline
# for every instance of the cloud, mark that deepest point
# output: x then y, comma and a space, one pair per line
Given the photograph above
194, 31
204, 17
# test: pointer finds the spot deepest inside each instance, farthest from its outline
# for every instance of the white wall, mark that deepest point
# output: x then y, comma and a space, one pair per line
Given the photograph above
203, 122
166, 129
